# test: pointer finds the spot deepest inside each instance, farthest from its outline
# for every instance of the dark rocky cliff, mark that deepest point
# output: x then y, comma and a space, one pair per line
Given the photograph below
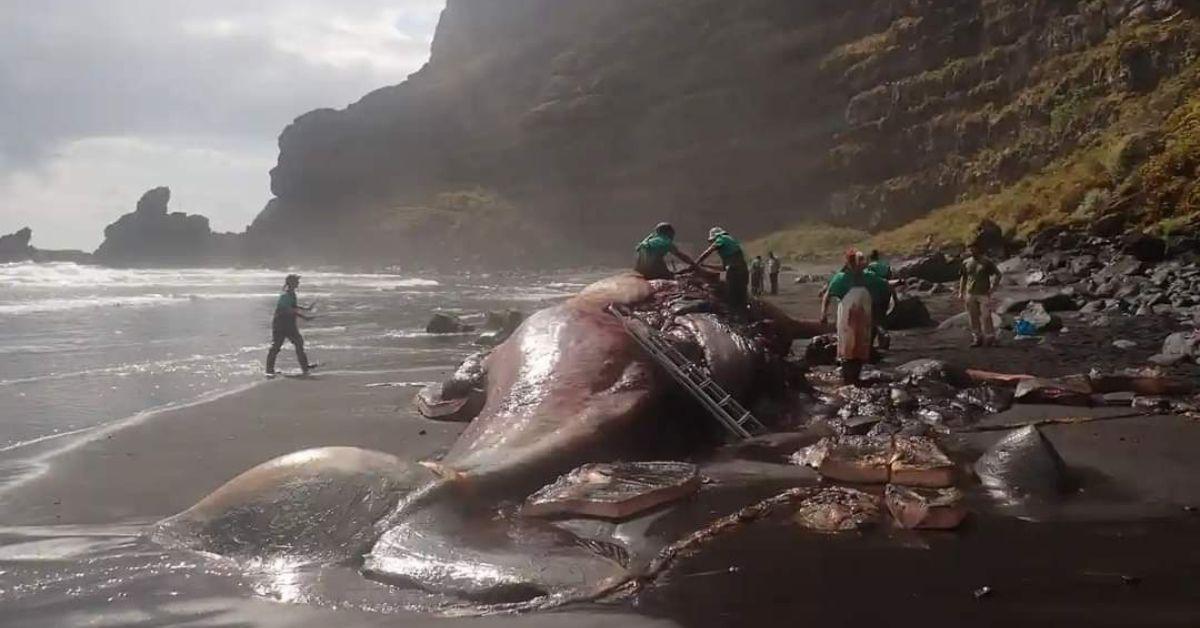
568, 127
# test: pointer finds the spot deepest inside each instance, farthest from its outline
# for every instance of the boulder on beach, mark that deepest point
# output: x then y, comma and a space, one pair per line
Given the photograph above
909, 313
1051, 300
1144, 247
443, 323
935, 267
498, 326
1179, 347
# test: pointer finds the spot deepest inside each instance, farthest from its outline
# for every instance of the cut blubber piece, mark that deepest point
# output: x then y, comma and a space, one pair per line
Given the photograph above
917, 461
614, 491
908, 460
856, 459
925, 508
838, 509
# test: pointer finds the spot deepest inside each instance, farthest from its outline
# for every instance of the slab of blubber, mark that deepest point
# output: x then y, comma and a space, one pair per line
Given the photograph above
838, 509
615, 490
925, 508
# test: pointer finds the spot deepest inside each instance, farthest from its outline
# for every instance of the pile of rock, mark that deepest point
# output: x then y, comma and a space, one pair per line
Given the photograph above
1136, 274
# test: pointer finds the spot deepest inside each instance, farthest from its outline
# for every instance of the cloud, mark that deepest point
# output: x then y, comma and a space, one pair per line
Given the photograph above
89, 87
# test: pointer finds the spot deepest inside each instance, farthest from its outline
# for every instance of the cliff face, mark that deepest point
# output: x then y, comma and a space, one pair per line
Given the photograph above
570, 126
151, 236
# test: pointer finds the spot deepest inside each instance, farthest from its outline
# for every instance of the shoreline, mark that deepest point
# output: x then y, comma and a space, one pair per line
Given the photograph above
159, 462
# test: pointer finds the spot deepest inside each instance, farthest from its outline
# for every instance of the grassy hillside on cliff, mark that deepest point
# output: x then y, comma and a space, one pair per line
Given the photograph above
1109, 134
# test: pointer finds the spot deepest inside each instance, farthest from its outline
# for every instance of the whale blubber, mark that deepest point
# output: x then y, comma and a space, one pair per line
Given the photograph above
614, 491
900, 459
855, 459
838, 509
925, 508
917, 461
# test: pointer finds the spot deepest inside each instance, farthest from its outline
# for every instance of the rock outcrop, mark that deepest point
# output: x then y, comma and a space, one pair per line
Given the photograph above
18, 247
152, 236
539, 120
15, 247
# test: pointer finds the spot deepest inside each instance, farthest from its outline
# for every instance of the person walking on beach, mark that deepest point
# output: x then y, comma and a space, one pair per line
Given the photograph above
854, 288
978, 278
773, 268
652, 253
737, 275
756, 275
284, 326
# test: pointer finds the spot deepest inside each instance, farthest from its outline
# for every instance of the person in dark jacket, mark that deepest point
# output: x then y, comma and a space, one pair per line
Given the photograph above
284, 325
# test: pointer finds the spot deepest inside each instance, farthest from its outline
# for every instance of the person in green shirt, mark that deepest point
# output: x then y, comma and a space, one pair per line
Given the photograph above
737, 274
853, 276
652, 253
879, 267
284, 327
978, 278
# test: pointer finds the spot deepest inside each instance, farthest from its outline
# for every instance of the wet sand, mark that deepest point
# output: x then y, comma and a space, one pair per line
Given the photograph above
161, 464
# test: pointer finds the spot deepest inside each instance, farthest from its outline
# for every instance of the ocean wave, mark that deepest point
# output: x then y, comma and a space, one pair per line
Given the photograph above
43, 306
68, 275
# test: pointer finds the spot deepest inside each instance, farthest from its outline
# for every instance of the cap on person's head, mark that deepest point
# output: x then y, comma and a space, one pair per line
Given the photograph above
664, 228
874, 254
715, 233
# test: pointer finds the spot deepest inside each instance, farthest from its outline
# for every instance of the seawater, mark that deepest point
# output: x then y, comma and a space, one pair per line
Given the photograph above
84, 346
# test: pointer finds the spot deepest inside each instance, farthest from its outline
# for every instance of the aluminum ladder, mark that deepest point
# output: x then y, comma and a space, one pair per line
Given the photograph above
735, 418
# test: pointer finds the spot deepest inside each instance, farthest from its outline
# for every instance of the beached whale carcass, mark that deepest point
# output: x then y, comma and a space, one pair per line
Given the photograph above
569, 387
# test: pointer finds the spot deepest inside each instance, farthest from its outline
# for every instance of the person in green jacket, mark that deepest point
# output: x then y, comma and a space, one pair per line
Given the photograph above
737, 273
284, 327
878, 266
652, 253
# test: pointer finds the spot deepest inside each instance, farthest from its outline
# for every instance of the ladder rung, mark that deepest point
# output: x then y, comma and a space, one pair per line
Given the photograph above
693, 378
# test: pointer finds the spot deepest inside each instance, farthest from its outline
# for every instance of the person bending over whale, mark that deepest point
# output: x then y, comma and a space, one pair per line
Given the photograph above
284, 327
737, 274
652, 253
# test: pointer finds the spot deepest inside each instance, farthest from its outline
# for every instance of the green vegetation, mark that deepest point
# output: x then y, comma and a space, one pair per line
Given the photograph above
808, 241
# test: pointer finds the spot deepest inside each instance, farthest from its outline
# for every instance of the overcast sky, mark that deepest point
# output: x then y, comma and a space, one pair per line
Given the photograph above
101, 100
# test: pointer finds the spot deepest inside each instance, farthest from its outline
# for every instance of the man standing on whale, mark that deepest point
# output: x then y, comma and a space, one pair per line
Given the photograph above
284, 326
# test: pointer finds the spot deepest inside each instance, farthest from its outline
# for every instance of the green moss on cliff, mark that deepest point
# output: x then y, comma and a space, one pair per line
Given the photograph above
808, 241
